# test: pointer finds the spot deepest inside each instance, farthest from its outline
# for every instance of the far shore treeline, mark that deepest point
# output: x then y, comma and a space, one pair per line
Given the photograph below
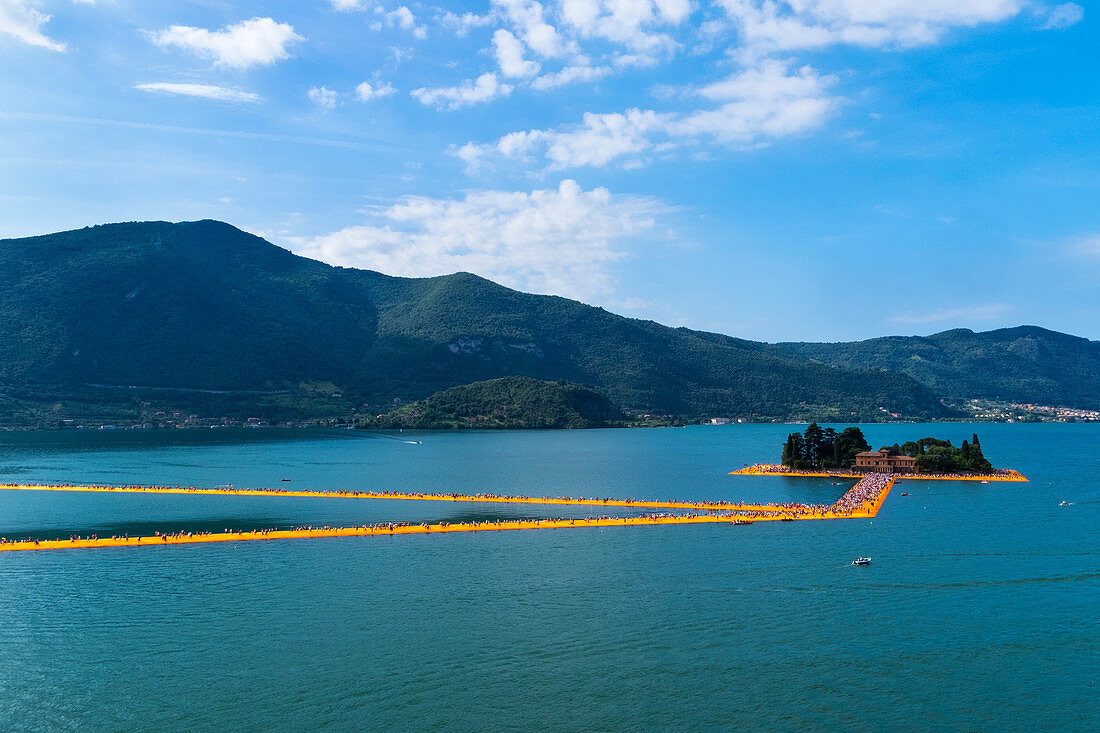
825, 448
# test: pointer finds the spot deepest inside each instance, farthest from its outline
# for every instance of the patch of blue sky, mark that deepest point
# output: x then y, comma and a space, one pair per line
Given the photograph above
820, 169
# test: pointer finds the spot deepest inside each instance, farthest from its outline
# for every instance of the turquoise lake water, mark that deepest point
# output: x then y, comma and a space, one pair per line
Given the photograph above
978, 612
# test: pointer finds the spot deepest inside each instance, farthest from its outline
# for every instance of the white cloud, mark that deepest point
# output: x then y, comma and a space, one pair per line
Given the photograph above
984, 312
569, 75
468, 93
1063, 16
758, 104
348, 5
1087, 246
529, 19
323, 97
626, 22
463, 24
24, 22
509, 54
205, 91
366, 93
562, 241
248, 43
779, 25
402, 18
762, 102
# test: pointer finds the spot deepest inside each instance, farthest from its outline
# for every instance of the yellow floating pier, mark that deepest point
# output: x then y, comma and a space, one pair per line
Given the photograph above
401, 496
392, 529
864, 499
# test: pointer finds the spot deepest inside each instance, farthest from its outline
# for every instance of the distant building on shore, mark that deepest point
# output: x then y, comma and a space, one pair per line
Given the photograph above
883, 462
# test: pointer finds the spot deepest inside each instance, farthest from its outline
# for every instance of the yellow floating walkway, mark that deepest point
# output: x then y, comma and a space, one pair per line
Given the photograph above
401, 496
864, 500
368, 531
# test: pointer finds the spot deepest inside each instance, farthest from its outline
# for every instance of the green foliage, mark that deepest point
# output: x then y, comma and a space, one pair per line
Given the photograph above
511, 402
1025, 364
939, 456
170, 310
823, 448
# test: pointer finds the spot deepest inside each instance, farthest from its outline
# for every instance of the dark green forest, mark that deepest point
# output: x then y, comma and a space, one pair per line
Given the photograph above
121, 322
201, 316
510, 402
1026, 364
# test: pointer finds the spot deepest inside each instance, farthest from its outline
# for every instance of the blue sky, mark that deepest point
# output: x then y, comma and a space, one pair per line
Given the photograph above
802, 170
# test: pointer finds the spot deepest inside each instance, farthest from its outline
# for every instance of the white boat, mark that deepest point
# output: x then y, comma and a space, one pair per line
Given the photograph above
862, 561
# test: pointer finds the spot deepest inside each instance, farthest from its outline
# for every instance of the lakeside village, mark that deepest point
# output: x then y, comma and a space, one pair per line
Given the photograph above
825, 449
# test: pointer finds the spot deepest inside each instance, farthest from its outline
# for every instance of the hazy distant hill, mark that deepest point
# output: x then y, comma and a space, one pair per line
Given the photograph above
509, 402
109, 312
1024, 364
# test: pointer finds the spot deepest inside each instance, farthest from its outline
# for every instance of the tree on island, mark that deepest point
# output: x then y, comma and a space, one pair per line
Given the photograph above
939, 456
823, 448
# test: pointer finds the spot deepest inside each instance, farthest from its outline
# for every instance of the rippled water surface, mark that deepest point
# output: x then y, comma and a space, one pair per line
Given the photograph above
978, 612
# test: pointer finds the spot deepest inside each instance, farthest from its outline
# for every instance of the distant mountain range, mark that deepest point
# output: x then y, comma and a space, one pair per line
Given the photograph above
202, 316
1026, 364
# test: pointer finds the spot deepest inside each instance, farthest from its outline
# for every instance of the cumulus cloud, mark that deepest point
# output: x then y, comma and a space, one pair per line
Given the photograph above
569, 75
323, 97
1063, 16
627, 23
463, 24
366, 92
402, 18
529, 19
468, 93
348, 5
21, 20
770, 25
561, 241
204, 91
258, 41
509, 55
757, 105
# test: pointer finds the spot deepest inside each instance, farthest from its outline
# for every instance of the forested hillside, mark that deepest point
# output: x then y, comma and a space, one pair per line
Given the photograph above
509, 402
1025, 364
205, 316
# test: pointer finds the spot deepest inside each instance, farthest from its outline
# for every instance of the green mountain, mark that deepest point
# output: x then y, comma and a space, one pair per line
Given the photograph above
509, 402
201, 316
1026, 364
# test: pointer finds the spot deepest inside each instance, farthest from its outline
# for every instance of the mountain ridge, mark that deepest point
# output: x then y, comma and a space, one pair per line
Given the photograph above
203, 306
1022, 364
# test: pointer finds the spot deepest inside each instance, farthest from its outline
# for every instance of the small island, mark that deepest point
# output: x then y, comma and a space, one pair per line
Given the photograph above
506, 403
825, 449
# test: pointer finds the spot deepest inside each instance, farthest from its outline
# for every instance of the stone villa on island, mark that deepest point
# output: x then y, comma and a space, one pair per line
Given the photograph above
882, 462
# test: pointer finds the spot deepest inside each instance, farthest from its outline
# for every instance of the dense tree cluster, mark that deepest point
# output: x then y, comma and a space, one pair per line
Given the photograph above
511, 402
821, 447
939, 456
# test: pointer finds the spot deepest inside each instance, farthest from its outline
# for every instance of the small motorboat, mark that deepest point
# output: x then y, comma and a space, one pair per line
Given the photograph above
862, 561
741, 521
905, 493
284, 479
